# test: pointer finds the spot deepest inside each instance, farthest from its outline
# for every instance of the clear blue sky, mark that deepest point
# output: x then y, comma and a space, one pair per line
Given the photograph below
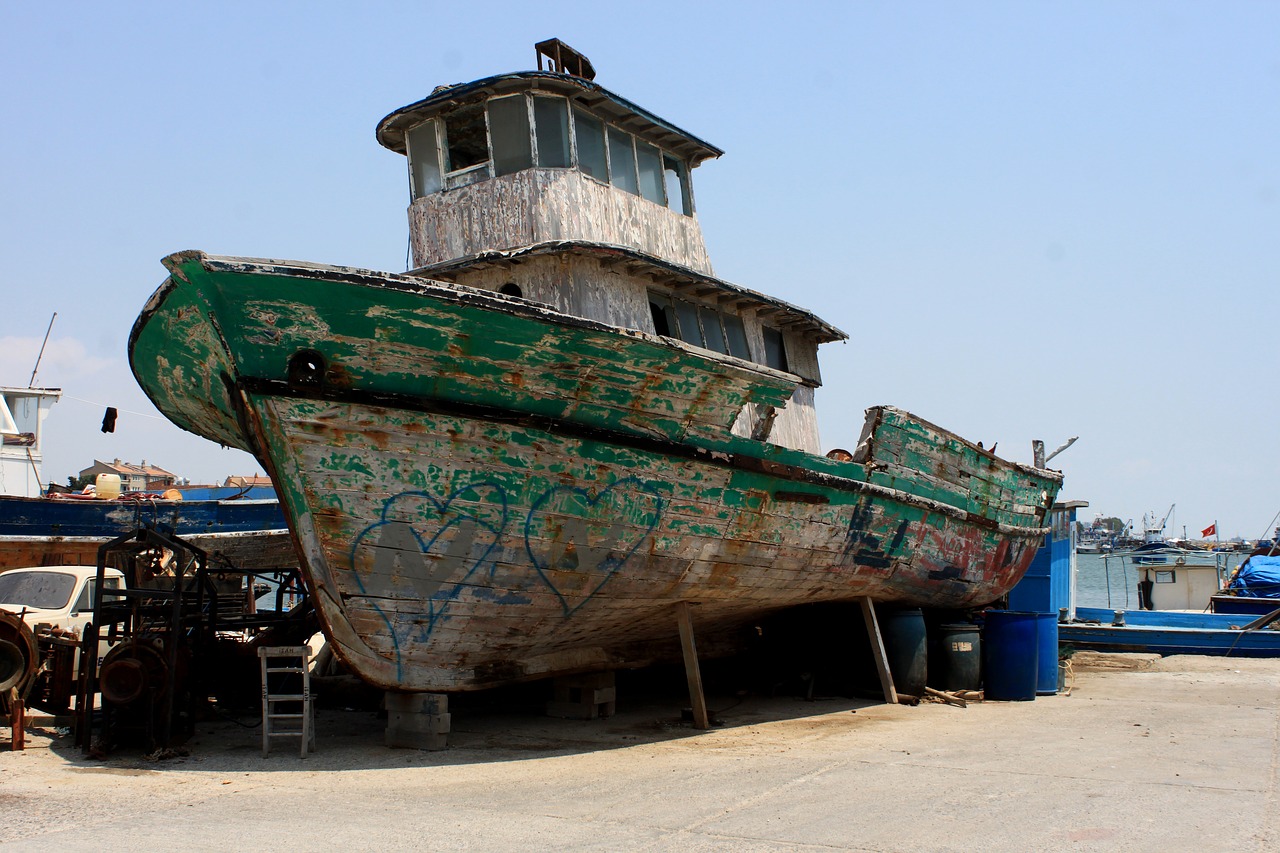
1035, 219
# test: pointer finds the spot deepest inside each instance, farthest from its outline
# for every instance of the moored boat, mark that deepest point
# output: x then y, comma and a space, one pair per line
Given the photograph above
66, 530
53, 531
515, 460
1172, 633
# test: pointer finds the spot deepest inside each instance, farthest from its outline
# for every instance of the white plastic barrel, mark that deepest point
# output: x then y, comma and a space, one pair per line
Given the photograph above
107, 486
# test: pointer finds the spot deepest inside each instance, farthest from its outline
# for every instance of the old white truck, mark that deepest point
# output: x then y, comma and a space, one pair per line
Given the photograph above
61, 596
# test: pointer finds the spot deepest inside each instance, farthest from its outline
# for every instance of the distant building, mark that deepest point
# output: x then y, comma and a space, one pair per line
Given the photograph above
245, 482
133, 478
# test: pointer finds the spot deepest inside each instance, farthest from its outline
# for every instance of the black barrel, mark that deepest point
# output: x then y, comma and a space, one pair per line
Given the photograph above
907, 650
956, 657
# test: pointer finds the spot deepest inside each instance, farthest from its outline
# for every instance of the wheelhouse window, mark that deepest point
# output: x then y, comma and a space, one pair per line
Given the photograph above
468, 147
588, 132
622, 161
551, 118
676, 174
509, 129
511, 133
649, 162
424, 158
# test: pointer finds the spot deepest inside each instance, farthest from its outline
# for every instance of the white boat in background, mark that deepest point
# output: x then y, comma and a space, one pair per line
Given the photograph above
22, 414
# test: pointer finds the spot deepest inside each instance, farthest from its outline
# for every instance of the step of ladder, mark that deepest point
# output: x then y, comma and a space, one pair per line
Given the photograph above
298, 658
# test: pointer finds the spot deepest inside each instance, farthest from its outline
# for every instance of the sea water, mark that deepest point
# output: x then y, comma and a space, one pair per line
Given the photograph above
1107, 581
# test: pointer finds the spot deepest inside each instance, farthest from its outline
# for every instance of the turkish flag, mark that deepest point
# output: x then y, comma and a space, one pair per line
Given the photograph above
1210, 530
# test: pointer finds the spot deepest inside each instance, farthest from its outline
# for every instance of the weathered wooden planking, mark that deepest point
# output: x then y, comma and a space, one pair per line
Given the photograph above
430, 341
900, 446
535, 542
538, 205
259, 551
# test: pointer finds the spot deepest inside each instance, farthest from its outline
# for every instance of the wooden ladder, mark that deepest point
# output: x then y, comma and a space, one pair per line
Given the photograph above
292, 660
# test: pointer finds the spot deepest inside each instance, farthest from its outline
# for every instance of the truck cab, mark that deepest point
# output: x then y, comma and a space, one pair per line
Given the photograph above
60, 596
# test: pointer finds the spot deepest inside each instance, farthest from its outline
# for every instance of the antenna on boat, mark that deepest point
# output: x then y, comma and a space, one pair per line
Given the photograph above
32, 382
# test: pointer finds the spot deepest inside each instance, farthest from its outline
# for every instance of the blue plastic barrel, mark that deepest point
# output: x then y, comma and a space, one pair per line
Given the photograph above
1010, 649
907, 650
1046, 654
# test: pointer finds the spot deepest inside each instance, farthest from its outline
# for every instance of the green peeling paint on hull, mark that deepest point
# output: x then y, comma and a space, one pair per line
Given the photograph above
485, 491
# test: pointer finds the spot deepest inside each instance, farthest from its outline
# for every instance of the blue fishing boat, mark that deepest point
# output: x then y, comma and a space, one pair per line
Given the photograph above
1254, 587
55, 531
1173, 633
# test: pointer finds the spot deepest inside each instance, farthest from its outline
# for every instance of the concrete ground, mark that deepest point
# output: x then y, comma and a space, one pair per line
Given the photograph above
1179, 755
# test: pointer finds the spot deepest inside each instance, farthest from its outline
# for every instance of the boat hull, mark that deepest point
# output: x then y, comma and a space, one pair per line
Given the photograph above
460, 533
1169, 633
250, 534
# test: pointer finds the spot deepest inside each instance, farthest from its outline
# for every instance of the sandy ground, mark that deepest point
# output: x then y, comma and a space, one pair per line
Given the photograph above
1175, 754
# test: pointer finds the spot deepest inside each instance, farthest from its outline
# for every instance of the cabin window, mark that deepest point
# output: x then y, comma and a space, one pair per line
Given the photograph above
700, 325
677, 180
511, 289
551, 118
775, 350
622, 162
687, 318
649, 161
509, 130
589, 136
712, 334
707, 327
735, 336
664, 317
511, 133
423, 144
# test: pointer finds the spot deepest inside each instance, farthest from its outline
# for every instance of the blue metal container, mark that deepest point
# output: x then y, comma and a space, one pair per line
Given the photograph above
907, 650
1046, 654
1010, 649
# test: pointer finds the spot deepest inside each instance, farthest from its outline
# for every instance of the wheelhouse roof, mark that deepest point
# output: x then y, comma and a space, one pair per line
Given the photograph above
591, 96
680, 279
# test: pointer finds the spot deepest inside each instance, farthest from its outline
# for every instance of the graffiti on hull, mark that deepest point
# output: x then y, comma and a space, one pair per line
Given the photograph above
574, 540
584, 537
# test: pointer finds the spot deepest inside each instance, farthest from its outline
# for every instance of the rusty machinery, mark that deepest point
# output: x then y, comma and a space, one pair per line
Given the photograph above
19, 662
166, 634
149, 626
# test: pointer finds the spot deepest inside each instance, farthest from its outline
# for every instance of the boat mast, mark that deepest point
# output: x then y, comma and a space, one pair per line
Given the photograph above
31, 383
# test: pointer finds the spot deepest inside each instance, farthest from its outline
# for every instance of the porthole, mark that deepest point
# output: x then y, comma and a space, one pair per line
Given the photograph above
306, 369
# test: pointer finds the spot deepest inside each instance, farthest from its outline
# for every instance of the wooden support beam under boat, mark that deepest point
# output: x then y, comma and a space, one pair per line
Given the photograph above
691, 669
877, 650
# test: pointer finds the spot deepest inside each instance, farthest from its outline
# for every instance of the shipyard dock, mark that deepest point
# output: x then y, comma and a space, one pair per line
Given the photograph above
1145, 753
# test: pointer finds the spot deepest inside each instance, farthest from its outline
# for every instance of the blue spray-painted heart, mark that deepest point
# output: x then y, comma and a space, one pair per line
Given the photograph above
468, 525
577, 541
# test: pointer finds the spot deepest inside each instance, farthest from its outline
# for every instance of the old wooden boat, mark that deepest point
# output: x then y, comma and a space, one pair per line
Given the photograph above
516, 459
